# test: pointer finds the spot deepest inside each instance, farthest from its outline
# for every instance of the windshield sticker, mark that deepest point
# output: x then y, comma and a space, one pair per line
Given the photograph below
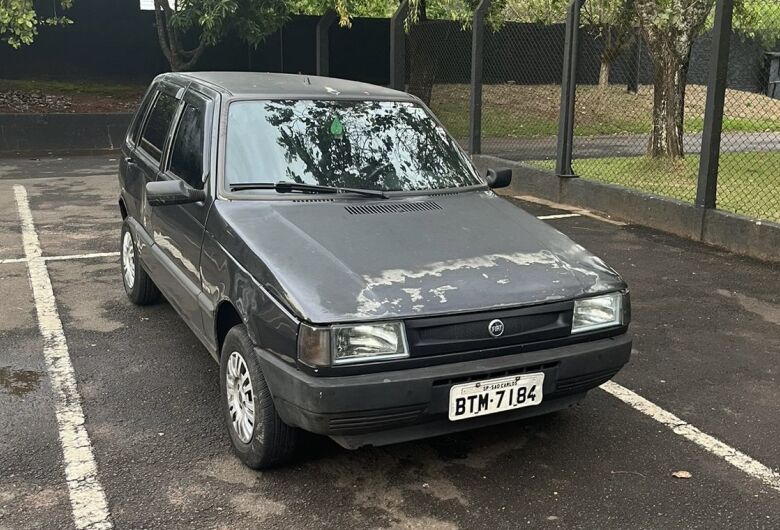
336, 128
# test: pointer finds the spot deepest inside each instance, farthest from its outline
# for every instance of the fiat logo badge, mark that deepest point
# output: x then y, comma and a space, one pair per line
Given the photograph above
496, 328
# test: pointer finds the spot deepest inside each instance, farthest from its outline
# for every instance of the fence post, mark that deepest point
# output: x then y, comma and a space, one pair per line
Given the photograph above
707, 189
568, 92
323, 42
398, 47
475, 104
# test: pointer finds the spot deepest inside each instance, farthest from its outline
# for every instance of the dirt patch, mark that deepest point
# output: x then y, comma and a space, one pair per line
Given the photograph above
59, 97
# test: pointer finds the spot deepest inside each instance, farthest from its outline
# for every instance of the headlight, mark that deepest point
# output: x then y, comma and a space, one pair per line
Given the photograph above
353, 343
597, 312
368, 341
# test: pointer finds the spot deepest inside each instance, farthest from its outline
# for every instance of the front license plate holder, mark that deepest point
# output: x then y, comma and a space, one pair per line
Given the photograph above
480, 398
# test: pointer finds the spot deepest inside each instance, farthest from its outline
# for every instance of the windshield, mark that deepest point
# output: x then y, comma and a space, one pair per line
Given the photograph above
374, 145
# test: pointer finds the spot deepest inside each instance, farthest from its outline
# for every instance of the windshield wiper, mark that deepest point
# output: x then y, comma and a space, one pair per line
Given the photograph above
287, 187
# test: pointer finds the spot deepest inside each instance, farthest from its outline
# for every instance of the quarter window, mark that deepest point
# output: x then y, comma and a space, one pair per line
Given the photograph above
153, 137
187, 153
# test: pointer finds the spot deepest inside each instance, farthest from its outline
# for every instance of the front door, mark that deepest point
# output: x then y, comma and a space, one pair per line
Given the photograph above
178, 230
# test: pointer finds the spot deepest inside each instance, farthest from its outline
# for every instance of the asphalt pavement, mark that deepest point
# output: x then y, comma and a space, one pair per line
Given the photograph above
707, 343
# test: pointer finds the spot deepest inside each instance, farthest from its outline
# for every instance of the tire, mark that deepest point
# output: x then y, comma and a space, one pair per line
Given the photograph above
139, 287
268, 441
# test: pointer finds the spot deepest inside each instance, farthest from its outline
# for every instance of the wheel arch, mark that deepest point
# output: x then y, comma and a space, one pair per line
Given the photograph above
122, 208
225, 318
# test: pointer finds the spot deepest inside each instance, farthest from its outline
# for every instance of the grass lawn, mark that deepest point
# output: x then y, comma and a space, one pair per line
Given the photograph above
522, 111
748, 183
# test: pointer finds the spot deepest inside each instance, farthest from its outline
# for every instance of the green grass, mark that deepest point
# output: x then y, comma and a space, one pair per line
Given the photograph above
71, 87
748, 183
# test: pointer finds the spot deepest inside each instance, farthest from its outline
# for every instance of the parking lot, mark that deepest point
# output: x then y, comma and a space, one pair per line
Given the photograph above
701, 395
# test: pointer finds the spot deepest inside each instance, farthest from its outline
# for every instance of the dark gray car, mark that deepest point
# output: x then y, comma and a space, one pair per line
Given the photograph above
339, 256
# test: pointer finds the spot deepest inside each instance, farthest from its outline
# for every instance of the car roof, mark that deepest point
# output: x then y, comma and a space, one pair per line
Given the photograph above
292, 86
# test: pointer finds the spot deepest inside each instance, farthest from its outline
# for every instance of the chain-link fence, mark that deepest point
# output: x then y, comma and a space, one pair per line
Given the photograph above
749, 171
521, 90
635, 124
438, 66
614, 120
614, 113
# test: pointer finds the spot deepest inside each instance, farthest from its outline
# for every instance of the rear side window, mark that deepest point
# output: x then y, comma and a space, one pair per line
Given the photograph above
187, 153
153, 137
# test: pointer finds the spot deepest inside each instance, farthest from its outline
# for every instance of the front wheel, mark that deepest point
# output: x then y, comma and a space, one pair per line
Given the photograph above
259, 436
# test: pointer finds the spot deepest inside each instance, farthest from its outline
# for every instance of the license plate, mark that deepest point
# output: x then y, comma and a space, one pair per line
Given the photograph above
480, 398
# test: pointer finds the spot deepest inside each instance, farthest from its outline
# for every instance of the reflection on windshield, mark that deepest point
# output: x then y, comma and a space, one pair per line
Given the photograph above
389, 146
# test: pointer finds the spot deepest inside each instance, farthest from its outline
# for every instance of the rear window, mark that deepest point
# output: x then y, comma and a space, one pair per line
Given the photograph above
156, 129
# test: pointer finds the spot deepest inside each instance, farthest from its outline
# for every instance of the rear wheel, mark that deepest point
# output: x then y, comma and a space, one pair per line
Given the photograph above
259, 436
139, 286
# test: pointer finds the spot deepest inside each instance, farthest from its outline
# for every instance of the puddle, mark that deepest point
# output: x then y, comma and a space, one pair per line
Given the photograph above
18, 382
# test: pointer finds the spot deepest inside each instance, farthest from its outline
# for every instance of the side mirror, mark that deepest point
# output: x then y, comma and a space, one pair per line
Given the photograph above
170, 192
499, 178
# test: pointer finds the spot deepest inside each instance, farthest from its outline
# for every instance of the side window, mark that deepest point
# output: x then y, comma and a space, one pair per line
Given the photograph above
138, 119
187, 152
153, 137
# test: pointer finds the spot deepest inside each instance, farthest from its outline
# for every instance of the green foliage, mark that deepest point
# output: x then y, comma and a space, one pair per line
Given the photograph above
251, 20
758, 19
19, 22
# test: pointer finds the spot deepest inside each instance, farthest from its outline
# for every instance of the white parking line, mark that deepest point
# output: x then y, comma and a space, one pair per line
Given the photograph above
92, 255
731, 455
568, 208
558, 216
82, 256
87, 498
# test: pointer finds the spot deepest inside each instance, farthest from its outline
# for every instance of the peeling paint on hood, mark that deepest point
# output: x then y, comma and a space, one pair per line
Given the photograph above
476, 253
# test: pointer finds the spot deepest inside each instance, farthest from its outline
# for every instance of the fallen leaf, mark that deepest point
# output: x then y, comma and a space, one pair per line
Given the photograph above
682, 474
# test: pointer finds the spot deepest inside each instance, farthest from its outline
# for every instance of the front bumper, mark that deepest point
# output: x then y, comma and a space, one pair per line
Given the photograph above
391, 407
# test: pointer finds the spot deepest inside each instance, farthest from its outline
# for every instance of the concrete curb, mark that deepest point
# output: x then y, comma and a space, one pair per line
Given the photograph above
24, 134
733, 232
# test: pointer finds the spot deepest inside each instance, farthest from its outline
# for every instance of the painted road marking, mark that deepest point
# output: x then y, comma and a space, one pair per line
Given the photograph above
13, 260
82, 256
558, 216
731, 455
92, 255
568, 208
87, 498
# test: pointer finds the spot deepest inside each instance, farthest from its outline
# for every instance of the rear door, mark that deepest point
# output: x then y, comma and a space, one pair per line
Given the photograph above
178, 230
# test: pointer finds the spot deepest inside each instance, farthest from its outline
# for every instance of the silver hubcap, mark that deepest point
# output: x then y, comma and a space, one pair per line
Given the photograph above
128, 260
240, 398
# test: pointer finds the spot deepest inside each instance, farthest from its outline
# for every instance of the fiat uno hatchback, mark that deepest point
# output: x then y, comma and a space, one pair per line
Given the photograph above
338, 254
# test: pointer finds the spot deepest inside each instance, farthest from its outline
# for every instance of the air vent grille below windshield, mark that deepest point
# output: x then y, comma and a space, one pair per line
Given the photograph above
392, 207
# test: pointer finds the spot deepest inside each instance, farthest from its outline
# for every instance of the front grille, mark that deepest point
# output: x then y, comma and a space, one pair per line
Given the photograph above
369, 421
392, 207
469, 332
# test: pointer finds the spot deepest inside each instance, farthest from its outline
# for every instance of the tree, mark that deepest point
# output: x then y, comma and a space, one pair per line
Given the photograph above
610, 21
19, 21
669, 28
203, 23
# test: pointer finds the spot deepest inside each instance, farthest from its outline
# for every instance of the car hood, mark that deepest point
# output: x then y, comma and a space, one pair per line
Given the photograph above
349, 260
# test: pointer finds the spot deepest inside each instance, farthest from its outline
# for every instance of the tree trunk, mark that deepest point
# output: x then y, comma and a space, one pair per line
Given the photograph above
604, 73
668, 107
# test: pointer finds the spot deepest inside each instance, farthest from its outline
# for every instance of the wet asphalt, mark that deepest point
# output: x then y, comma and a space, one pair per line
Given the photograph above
707, 348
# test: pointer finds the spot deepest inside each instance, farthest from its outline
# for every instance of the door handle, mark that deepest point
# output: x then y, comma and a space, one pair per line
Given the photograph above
129, 161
